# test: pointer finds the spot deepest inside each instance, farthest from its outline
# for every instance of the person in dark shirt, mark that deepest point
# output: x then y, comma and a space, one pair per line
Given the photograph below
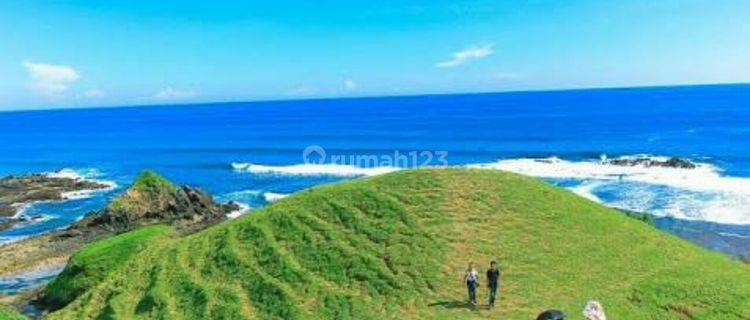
493, 275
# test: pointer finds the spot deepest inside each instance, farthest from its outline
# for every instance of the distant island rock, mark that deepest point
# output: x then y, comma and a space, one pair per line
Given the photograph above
649, 162
152, 199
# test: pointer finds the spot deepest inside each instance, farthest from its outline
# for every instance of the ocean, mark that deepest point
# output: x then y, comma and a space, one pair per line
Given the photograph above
253, 152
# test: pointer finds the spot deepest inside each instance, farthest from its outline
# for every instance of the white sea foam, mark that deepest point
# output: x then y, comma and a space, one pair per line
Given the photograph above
726, 207
69, 174
20, 209
76, 195
313, 169
705, 177
243, 210
273, 197
733, 235
239, 195
84, 174
12, 239
586, 190
29, 278
87, 174
701, 193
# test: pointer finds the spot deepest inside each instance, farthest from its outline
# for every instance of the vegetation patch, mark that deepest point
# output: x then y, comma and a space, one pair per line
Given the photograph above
6, 313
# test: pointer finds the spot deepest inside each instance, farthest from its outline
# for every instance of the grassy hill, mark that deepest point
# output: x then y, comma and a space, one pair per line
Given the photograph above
7, 313
395, 246
94, 262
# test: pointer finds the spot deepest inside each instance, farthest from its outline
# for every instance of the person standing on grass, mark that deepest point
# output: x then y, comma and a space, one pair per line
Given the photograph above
493, 276
472, 282
594, 311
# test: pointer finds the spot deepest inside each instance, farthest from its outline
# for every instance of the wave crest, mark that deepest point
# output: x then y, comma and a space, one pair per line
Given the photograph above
273, 197
313, 169
704, 177
243, 210
697, 193
83, 174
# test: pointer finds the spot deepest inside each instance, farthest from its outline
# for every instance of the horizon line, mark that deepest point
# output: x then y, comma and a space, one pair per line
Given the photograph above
365, 97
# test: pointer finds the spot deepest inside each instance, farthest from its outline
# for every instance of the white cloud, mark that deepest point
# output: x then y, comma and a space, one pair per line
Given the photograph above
170, 93
93, 93
301, 91
506, 75
466, 55
51, 79
350, 85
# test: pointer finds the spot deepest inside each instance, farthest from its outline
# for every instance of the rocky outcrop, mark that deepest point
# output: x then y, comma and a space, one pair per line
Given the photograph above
19, 190
150, 200
648, 162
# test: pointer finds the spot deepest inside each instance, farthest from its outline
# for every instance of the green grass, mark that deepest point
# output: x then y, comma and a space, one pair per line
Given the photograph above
149, 180
96, 261
395, 246
7, 313
148, 187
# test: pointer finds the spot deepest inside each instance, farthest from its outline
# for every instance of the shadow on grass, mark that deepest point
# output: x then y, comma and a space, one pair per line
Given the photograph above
454, 304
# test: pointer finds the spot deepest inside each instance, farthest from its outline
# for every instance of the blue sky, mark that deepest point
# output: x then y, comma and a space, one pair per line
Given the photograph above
81, 53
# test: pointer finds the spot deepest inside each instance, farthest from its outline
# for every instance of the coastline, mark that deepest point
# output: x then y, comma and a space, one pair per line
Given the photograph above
561, 232
197, 144
150, 200
19, 193
713, 236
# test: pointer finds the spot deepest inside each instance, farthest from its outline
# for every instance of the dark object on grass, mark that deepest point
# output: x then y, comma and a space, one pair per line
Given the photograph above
551, 315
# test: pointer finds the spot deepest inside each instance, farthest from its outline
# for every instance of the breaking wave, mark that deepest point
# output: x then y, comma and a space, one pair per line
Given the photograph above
657, 185
273, 197
84, 174
698, 193
12, 284
313, 169
243, 210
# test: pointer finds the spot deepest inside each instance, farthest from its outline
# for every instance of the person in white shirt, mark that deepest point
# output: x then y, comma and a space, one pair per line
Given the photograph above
594, 311
472, 282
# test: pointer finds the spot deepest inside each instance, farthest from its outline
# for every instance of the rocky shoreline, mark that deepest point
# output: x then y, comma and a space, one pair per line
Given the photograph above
17, 191
150, 200
649, 162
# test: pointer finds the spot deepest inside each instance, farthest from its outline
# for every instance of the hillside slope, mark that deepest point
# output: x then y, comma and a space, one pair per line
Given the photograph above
395, 246
94, 262
10, 314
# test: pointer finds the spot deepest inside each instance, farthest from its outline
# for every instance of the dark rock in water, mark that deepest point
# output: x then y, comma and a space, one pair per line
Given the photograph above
647, 162
18, 190
152, 199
